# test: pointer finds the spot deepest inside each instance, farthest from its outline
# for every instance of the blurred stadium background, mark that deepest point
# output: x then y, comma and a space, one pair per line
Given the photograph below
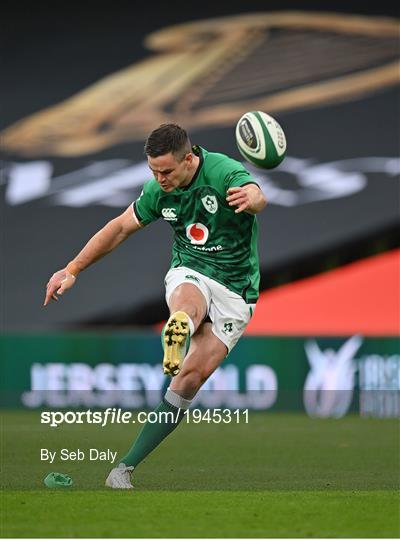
81, 88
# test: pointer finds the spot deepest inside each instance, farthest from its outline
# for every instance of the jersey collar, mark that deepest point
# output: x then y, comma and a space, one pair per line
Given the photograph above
198, 152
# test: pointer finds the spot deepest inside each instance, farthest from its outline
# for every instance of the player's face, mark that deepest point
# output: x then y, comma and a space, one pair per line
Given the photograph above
169, 172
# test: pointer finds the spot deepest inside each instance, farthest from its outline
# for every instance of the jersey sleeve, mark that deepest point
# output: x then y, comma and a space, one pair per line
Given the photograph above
236, 175
145, 207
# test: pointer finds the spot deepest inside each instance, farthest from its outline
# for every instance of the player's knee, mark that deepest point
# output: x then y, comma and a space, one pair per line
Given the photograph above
194, 311
189, 299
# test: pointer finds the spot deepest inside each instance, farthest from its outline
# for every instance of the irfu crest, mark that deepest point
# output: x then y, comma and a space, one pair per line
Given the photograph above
228, 328
210, 203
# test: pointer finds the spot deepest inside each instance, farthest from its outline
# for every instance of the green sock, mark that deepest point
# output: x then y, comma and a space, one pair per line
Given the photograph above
166, 383
152, 434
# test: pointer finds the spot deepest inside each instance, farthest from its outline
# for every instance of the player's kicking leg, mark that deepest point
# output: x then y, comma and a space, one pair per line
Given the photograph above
205, 354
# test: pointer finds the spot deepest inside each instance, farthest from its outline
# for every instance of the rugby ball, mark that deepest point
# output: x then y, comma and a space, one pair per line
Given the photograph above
260, 139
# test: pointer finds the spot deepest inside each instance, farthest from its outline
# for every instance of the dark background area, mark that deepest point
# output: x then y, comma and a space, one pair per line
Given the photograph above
53, 50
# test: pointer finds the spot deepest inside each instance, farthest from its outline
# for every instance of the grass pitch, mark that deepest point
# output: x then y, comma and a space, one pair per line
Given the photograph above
280, 475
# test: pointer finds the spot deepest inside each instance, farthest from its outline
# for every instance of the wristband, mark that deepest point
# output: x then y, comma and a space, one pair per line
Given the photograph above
73, 269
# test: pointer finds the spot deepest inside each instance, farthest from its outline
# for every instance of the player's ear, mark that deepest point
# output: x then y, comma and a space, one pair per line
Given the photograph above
188, 158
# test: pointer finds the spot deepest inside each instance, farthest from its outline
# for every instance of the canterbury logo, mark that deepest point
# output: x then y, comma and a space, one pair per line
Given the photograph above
194, 278
169, 214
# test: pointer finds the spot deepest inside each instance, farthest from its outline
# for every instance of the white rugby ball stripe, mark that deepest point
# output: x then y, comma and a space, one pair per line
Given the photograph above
276, 132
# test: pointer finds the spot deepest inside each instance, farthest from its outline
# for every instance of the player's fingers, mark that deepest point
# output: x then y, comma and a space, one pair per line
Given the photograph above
49, 296
51, 285
239, 201
241, 208
236, 197
234, 194
59, 282
234, 189
61, 290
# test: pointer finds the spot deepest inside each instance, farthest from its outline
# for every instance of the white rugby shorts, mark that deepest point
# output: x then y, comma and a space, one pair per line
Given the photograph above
227, 310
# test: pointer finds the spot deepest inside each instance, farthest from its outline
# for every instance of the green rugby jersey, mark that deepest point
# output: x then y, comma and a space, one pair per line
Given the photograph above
209, 237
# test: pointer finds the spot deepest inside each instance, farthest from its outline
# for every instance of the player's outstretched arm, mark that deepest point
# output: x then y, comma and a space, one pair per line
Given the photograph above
248, 198
108, 238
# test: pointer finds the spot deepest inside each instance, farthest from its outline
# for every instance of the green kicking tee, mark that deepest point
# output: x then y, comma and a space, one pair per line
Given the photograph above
209, 237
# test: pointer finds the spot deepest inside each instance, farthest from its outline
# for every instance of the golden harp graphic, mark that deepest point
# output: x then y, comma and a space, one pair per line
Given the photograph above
207, 73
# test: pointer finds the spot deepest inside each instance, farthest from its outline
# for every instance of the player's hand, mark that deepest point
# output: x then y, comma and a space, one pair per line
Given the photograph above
58, 284
240, 197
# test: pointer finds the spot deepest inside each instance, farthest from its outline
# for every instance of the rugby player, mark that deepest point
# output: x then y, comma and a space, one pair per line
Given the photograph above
210, 200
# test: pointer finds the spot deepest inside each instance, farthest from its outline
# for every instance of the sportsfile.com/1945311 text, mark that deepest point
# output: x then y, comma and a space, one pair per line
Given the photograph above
118, 416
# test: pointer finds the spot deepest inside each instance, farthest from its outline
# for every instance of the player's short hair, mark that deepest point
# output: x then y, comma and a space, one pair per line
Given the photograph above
168, 138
